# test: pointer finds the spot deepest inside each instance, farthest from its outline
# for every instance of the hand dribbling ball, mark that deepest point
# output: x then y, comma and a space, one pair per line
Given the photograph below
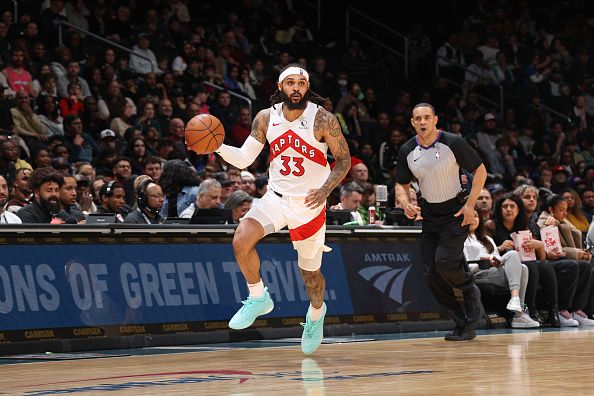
204, 134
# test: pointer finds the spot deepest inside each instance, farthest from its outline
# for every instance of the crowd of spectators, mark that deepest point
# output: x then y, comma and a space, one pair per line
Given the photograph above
88, 110
88, 129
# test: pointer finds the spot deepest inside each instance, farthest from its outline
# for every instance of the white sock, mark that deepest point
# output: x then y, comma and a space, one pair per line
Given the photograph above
257, 289
315, 313
515, 298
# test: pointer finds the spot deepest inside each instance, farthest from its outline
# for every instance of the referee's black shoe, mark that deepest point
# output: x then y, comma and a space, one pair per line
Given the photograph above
461, 334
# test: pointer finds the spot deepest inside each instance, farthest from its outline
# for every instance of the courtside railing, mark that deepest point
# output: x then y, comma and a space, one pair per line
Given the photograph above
550, 110
15, 14
235, 94
499, 105
104, 40
317, 7
353, 16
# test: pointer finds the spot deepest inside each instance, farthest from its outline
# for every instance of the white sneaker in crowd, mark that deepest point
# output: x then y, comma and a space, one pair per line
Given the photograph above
524, 321
568, 322
583, 321
514, 305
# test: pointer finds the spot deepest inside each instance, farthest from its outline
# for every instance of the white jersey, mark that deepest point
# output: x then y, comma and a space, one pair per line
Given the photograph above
298, 161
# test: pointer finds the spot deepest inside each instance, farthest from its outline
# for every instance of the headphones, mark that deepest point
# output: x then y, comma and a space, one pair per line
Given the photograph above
143, 199
108, 188
141, 193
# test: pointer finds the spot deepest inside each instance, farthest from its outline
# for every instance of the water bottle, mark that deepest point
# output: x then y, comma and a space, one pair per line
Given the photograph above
372, 215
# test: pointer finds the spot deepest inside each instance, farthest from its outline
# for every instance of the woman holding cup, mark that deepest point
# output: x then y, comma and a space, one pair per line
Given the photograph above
510, 217
504, 271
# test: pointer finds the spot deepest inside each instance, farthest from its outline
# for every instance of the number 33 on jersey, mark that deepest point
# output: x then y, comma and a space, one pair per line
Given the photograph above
298, 162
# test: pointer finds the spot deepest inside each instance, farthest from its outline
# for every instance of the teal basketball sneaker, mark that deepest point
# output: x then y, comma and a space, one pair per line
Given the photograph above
252, 308
313, 332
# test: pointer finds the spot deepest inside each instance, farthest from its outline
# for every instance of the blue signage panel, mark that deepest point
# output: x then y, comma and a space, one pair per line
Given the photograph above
92, 285
387, 278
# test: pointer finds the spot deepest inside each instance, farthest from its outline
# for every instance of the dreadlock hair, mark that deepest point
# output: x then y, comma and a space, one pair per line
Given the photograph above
310, 95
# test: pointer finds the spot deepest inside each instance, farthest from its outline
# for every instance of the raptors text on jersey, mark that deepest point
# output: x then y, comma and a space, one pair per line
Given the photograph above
298, 161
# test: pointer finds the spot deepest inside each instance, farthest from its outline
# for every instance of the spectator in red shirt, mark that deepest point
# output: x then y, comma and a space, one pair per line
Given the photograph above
17, 77
72, 104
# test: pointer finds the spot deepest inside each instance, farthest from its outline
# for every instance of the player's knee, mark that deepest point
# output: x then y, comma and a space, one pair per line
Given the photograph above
310, 264
245, 238
241, 245
238, 246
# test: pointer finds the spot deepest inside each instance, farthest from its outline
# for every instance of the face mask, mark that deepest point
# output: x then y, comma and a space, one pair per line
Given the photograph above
342, 82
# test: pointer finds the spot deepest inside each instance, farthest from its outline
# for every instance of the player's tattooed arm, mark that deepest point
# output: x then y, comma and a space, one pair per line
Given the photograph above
327, 123
260, 125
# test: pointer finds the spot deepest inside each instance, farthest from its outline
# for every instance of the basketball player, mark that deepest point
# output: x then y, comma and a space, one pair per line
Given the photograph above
435, 157
299, 131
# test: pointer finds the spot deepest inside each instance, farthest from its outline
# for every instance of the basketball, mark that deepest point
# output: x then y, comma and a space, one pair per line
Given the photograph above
204, 134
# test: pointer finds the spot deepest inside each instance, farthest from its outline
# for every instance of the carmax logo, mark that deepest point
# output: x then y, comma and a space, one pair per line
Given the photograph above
386, 279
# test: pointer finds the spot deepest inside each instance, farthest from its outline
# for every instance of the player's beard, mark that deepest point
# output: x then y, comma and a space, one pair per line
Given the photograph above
302, 104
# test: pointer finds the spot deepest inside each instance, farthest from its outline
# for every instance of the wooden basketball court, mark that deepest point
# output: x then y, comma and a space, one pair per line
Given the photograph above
497, 362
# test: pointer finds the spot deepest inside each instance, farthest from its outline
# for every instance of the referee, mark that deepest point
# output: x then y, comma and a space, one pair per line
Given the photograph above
435, 157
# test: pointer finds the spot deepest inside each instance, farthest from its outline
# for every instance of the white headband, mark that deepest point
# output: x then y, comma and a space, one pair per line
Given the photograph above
293, 70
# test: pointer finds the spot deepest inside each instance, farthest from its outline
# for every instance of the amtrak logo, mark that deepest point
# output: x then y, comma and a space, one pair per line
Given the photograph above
386, 279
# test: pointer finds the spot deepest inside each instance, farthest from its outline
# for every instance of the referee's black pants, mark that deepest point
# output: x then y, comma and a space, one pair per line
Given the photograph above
446, 270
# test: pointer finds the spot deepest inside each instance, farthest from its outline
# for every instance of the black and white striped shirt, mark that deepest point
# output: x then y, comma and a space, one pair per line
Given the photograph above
436, 167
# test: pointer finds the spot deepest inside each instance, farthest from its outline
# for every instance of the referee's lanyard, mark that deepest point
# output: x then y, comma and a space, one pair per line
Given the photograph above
432, 145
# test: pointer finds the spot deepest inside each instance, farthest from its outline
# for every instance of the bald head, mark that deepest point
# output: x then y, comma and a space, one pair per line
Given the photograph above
176, 127
360, 173
3, 193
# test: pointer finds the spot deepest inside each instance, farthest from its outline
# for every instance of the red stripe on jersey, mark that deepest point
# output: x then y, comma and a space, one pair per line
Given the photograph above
306, 230
290, 139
